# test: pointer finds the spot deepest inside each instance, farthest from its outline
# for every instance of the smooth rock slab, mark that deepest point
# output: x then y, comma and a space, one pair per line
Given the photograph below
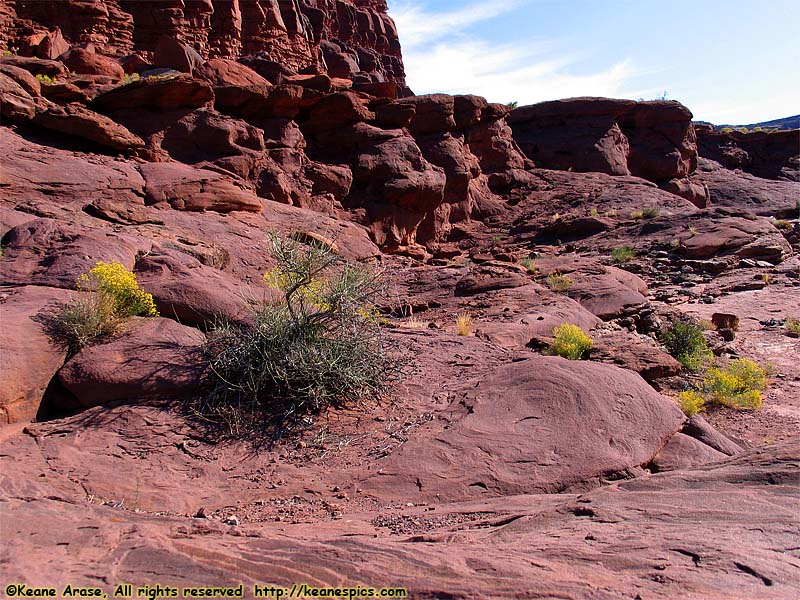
545, 424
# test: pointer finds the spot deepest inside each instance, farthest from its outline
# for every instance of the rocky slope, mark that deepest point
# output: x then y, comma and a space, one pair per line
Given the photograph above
582, 478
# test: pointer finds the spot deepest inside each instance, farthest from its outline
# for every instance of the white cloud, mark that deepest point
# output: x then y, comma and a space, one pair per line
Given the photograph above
419, 26
506, 73
440, 57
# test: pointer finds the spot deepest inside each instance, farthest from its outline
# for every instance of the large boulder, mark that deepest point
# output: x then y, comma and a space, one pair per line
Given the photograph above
544, 424
743, 191
86, 62
653, 140
768, 154
16, 104
221, 72
35, 66
30, 357
158, 92
174, 54
23, 77
195, 294
53, 253
154, 357
75, 120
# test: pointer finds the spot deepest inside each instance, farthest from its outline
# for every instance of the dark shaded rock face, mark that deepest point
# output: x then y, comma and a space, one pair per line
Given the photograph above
351, 39
767, 154
652, 140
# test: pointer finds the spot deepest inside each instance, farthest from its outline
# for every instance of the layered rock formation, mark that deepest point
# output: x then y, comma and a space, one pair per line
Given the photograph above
351, 39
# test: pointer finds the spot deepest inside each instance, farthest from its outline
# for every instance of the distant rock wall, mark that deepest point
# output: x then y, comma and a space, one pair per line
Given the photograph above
652, 140
772, 155
353, 39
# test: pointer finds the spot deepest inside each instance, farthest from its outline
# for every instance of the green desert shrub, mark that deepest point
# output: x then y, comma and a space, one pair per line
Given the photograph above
651, 213
322, 345
46, 78
570, 342
686, 343
623, 254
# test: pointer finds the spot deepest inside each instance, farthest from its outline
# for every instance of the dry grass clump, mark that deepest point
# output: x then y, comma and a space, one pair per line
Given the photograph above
464, 324
559, 283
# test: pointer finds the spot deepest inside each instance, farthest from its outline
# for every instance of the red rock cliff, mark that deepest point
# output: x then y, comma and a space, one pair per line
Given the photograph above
345, 38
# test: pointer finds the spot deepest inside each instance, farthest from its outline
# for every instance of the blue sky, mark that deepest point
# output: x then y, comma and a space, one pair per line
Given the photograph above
729, 61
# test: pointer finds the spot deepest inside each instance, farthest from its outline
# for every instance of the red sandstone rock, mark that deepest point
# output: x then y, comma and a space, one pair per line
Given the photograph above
172, 54
185, 188
82, 61
504, 436
75, 120
221, 72
15, 103
355, 37
30, 357
156, 92
51, 253
194, 294
682, 452
153, 357
23, 77
653, 140
36, 66
772, 155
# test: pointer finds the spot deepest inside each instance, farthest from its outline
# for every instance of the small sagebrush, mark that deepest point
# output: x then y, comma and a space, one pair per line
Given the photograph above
529, 264
570, 342
792, 327
685, 342
110, 295
79, 323
558, 282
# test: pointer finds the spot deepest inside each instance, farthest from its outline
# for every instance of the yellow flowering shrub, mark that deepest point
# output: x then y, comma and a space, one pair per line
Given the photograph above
311, 292
738, 384
113, 280
691, 402
570, 342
